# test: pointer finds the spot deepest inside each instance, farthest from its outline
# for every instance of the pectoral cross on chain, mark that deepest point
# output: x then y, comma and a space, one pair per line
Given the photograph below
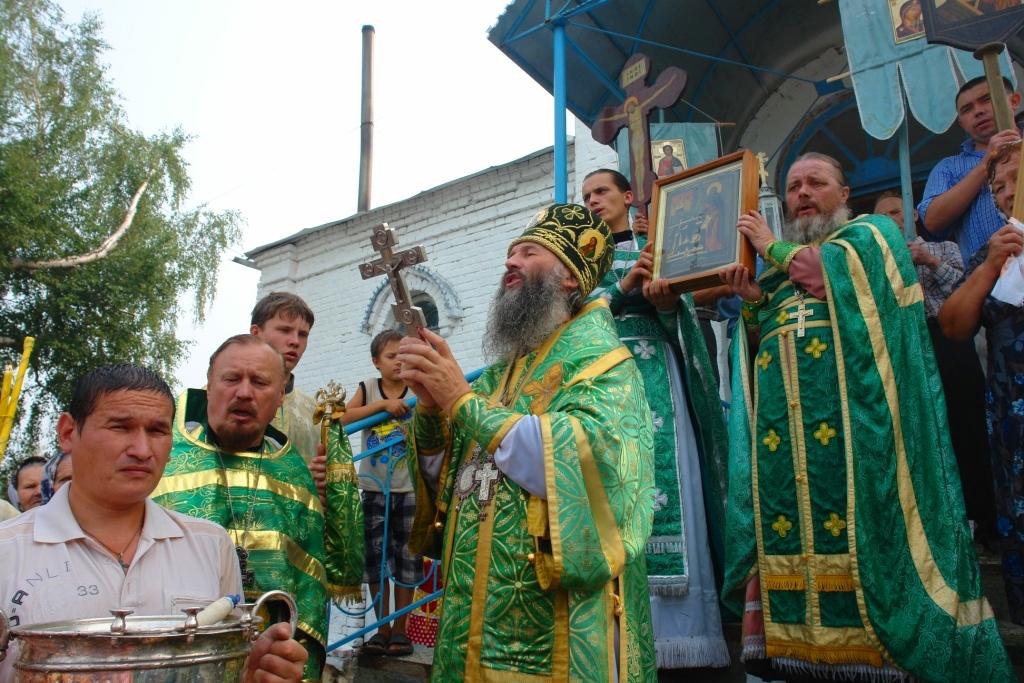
799, 314
391, 264
488, 475
248, 575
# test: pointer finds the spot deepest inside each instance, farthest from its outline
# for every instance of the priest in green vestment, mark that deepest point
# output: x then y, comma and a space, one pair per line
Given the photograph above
228, 465
691, 444
844, 494
543, 474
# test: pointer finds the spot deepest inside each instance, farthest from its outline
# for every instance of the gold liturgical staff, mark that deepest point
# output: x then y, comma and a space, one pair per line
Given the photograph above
391, 264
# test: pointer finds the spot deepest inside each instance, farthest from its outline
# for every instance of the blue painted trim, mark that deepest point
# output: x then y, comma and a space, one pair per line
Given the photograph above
376, 419
743, 29
583, 8
697, 54
839, 143
643, 24
394, 615
611, 85
517, 23
561, 152
733, 40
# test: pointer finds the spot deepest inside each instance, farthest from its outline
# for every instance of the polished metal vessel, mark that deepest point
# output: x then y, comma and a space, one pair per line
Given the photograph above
156, 649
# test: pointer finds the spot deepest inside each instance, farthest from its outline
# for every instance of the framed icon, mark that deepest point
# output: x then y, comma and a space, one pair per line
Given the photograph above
668, 156
907, 18
693, 221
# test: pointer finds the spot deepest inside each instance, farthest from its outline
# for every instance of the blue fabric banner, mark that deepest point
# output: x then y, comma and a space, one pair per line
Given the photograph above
885, 44
700, 143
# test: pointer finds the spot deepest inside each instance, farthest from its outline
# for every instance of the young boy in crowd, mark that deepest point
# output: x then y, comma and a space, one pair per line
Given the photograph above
376, 395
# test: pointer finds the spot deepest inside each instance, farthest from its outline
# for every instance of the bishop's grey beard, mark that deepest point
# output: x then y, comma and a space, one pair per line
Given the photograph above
521, 319
814, 229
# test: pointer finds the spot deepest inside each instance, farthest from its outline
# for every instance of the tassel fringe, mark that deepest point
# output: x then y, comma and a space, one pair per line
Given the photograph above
753, 648
846, 672
345, 595
834, 583
784, 582
668, 585
822, 654
693, 652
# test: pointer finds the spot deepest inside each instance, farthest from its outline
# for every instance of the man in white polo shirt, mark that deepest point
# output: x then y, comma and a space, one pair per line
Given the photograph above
101, 544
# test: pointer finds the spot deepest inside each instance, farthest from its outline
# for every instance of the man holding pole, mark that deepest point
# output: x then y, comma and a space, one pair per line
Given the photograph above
957, 203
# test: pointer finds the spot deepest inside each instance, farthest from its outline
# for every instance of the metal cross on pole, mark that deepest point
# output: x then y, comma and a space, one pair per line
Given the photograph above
391, 264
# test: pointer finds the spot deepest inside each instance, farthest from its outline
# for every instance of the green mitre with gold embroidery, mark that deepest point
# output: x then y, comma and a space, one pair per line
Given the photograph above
267, 501
844, 495
578, 237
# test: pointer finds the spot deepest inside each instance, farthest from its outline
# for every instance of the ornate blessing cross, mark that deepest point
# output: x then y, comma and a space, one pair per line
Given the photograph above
488, 475
799, 314
632, 115
391, 264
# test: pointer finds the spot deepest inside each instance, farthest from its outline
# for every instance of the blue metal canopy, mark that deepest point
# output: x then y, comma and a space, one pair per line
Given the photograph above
736, 52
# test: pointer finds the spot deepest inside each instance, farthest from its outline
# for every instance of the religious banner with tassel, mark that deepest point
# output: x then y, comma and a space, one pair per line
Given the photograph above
343, 531
10, 392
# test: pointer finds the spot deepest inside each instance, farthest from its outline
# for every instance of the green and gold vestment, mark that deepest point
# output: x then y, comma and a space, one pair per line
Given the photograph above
844, 492
286, 538
535, 589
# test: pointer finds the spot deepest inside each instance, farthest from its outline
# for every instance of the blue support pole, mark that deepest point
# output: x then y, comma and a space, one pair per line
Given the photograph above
561, 160
905, 177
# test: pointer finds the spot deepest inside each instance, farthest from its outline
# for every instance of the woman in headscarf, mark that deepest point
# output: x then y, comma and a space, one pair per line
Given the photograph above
56, 473
24, 488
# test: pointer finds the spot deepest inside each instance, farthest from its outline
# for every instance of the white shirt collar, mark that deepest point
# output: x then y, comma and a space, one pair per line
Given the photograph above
56, 523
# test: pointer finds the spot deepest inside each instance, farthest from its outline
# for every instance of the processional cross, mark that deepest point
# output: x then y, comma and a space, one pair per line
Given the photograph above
762, 163
391, 264
632, 115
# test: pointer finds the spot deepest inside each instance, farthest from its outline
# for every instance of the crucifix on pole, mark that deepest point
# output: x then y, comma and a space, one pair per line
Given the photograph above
632, 114
391, 264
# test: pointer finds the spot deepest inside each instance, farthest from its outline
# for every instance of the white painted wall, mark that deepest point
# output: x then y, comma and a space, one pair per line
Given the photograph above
464, 225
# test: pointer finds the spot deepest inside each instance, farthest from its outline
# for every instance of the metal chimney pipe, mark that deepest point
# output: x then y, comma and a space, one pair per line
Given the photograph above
366, 126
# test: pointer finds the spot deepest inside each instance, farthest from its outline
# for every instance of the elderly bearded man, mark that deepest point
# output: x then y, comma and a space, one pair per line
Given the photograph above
546, 483
844, 494
103, 545
231, 467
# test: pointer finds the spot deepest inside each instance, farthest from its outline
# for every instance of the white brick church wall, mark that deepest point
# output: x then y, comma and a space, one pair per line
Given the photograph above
465, 226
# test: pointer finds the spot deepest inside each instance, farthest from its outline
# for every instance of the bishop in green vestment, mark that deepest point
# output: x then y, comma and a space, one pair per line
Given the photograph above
543, 473
228, 465
844, 493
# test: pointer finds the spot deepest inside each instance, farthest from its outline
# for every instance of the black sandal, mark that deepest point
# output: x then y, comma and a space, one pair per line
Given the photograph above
376, 646
399, 645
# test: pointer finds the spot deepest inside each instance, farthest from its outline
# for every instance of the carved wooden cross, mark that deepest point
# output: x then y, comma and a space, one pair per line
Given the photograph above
391, 264
799, 314
632, 114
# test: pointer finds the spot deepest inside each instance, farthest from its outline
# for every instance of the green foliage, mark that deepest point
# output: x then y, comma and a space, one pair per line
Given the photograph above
69, 167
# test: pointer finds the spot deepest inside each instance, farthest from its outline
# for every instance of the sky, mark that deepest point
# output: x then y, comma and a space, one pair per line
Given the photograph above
271, 96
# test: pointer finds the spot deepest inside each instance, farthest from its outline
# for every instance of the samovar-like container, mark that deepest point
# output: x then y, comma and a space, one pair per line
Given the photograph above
129, 649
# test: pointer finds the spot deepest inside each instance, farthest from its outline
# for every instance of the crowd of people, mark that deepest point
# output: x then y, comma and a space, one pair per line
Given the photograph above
595, 511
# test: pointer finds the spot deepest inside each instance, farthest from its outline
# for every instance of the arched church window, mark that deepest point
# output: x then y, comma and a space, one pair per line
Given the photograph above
424, 301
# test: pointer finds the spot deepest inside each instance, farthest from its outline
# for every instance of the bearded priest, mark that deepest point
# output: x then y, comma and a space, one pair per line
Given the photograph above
844, 495
543, 472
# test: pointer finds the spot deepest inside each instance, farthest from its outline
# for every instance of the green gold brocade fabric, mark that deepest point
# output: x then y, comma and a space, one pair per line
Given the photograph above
286, 537
294, 420
344, 540
844, 493
651, 336
532, 589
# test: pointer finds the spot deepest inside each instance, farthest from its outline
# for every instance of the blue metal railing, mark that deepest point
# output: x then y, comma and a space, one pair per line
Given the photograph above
389, 445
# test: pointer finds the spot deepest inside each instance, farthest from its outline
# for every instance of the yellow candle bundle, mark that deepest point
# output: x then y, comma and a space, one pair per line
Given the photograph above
10, 391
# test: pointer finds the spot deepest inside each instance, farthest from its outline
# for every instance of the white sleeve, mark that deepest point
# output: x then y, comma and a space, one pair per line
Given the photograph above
520, 456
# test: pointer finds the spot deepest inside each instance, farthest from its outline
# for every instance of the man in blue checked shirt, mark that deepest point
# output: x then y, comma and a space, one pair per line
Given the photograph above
957, 203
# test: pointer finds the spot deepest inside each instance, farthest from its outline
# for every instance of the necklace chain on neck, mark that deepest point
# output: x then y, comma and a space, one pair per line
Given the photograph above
247, 520
120, 555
